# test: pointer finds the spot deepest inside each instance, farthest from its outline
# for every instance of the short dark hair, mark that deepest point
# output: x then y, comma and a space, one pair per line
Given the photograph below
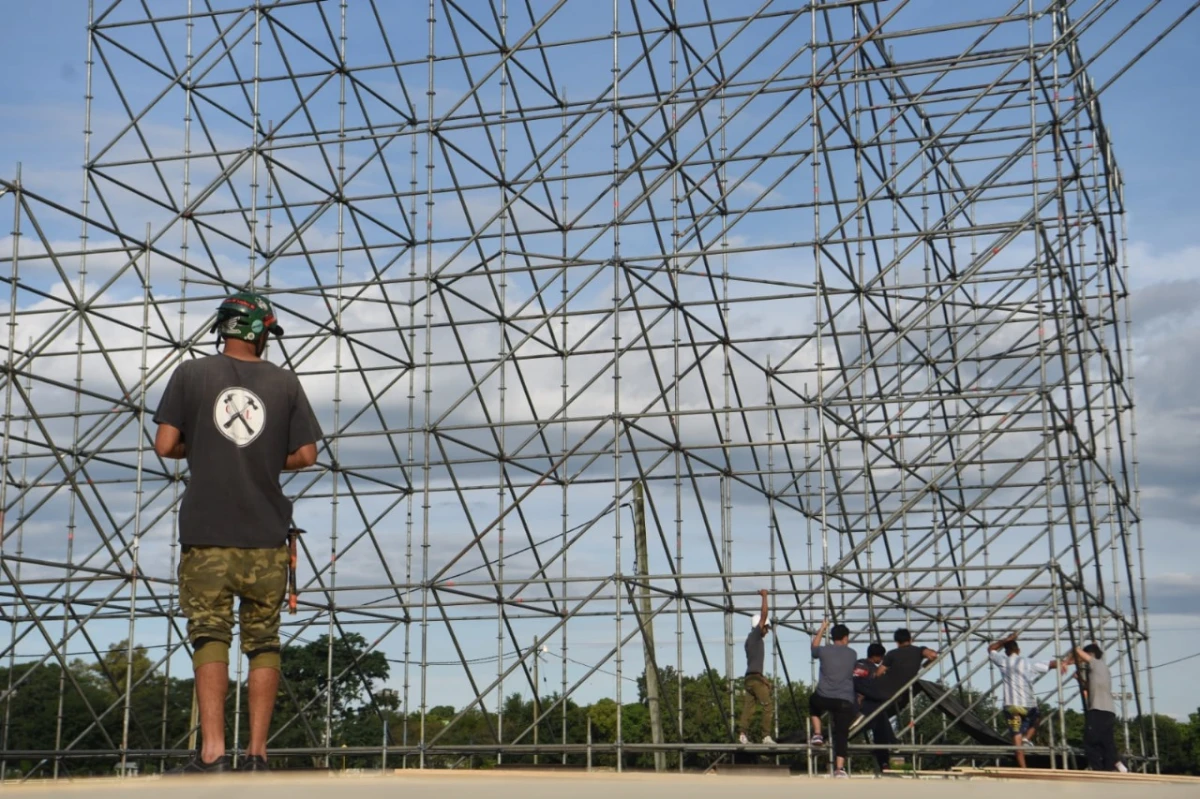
876, 650
902, 636
1011, 647
1094, 650
840, 632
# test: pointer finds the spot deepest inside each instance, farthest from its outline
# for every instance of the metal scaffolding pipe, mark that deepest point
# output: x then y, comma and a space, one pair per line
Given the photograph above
837, 272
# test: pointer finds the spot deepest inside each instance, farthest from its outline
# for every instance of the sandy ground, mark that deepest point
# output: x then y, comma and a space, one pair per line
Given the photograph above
522, 785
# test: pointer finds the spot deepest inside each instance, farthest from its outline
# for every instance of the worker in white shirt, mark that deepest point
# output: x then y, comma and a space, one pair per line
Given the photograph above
1020, 702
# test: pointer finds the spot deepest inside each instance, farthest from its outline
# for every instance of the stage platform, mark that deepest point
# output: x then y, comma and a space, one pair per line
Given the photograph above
414, 784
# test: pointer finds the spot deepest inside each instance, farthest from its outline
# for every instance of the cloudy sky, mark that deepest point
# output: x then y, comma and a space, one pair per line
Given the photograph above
1152, 115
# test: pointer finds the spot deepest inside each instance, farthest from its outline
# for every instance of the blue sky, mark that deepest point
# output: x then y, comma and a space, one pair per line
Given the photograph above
1152, 115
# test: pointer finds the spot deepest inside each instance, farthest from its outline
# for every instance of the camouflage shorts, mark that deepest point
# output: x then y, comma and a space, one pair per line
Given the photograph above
1022, 719
209, 579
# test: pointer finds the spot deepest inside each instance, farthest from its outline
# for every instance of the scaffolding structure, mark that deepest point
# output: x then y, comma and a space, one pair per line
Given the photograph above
840, 285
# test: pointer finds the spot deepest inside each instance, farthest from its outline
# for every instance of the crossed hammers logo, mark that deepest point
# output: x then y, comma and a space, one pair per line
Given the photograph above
239, 413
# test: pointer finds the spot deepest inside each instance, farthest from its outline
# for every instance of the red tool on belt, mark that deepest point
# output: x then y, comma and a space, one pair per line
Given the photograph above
293, 593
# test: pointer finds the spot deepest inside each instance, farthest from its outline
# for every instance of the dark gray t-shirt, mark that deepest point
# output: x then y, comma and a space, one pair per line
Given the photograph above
864, 672
903, 663
240, 420
836, 679
755, 652
1100, 686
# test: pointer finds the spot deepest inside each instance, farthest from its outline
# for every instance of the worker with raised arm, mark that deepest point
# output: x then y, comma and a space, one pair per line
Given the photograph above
757, 686
835, 691
239, 421
1100, 720
1020, 701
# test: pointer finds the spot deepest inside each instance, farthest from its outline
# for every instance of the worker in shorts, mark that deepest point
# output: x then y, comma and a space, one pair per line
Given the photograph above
239, 421
1020, 701
758, 687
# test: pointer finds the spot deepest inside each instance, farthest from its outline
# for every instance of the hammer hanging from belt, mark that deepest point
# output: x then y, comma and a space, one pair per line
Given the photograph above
293, 539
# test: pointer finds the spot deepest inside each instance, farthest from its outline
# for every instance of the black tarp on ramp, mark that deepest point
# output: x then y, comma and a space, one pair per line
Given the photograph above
971, 724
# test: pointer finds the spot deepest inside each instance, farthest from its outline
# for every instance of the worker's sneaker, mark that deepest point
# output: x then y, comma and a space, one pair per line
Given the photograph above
841, 774
1121, 767
817, 740
742, 739
253, 763
1028, 742
768, 740
197, 766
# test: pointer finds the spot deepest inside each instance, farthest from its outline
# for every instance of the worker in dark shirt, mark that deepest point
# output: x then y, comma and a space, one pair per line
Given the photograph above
903, 663
864, 672
864, 668
758, 687
899, 668
239, 421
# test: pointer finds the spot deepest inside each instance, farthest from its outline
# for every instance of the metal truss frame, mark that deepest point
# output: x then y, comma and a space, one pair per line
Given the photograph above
843, 288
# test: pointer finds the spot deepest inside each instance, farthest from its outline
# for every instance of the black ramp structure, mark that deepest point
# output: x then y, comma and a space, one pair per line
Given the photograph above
960, 715
841, 284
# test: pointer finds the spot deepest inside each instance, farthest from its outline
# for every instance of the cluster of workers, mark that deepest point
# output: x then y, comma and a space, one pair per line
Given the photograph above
874, 688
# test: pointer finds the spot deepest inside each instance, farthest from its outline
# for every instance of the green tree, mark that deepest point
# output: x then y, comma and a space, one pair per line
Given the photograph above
308, 687
1193, 736
32, 713
159, 710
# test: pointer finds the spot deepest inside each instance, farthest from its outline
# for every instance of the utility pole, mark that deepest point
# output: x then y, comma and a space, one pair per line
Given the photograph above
537, 711
643, 570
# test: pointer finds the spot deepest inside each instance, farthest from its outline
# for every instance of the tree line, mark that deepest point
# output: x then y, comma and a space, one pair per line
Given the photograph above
360, 713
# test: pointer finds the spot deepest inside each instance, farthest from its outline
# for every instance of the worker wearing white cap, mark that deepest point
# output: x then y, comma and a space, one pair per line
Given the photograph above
758, 687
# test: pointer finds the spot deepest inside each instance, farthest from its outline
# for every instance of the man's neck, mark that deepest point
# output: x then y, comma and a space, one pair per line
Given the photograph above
239, 352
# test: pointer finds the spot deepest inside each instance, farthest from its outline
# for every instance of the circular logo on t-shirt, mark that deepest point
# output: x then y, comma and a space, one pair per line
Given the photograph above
239, 415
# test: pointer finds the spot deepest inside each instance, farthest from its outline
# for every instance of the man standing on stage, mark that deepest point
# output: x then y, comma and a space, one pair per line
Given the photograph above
239, 421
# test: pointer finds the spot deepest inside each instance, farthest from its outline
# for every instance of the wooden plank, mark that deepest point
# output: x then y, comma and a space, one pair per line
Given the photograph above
1065, 775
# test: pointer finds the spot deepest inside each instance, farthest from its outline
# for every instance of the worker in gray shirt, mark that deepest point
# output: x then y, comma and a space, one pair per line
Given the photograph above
1100, 721
835, 693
